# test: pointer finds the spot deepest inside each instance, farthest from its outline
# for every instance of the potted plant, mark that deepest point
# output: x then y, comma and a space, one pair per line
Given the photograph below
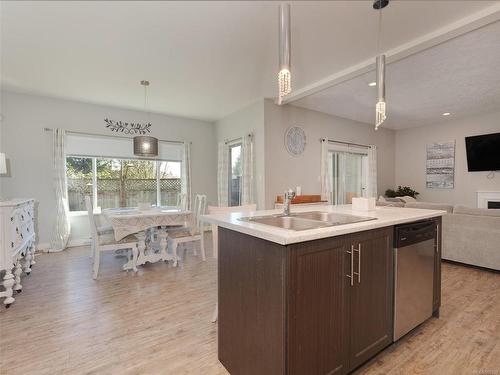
401, 191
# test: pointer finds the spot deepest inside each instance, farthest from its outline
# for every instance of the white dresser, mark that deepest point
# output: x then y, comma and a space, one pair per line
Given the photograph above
17, 244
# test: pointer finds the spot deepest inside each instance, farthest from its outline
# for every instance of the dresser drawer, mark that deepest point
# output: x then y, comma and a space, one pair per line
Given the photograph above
17, 244
20, 227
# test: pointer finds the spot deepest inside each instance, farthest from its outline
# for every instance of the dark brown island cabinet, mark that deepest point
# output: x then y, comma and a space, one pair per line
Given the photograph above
317, 307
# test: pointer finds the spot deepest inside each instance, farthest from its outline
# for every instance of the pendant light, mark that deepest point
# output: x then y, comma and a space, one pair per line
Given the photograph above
381, 106
145, 146
284, 75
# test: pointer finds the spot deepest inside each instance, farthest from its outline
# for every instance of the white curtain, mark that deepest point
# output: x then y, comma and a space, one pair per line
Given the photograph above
62, 226
341, 176
186, 174
371, 189
223, 174
326, 173
247, 167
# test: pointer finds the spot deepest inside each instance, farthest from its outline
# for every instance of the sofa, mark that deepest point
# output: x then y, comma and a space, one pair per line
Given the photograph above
470, 235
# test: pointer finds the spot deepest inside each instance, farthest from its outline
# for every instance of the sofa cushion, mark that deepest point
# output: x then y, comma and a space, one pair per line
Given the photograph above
408, 199
472, 239
391, 204
431, 206
463, 210
394, 200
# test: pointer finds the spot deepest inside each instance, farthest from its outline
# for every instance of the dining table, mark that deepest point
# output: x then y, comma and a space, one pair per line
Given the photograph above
132, 220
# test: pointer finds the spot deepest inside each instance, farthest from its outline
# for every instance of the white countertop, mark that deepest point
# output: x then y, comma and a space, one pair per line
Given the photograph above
386, 216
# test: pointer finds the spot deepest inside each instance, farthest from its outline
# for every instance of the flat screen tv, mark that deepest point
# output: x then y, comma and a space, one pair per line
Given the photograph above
483, 152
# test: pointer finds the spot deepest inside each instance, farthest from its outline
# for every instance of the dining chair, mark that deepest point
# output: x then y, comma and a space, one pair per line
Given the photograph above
100, 229
182, 201
215, 239
106, 242
223, 210
191, 233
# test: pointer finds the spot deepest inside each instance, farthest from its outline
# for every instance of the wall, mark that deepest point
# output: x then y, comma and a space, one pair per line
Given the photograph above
2, 176
248, 120
411, 159
29, 147
276, 170
284, 171
401, 154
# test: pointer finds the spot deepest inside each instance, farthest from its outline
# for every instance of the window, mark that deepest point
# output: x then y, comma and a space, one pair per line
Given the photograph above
234, 188
169, 179
113, 182
79, 175
125, 182
349, 171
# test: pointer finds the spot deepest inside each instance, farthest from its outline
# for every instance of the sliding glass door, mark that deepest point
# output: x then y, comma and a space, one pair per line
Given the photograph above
349, 171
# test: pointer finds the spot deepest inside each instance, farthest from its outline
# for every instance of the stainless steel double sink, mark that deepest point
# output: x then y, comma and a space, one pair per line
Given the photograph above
306, 220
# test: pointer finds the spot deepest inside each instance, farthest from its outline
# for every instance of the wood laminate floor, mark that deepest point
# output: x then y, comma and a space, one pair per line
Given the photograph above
158, 322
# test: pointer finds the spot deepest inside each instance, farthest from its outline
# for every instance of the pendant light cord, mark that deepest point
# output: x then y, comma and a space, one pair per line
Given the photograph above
379, 30
146, 100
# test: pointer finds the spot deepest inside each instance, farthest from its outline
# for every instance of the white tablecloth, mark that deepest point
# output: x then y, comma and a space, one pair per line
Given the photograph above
127, 221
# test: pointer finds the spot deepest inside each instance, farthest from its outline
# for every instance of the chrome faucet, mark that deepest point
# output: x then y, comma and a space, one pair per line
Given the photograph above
289, 195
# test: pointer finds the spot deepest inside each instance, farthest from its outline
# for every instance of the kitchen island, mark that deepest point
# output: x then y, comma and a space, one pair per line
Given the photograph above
315, 301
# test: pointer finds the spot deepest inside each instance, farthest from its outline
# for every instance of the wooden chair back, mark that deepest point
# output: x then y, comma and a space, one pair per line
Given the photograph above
223, 210
90, 211
199, 208
350, 195
182, 201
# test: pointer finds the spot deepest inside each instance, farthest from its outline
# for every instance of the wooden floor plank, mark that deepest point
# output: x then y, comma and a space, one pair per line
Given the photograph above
158, 322
464, 340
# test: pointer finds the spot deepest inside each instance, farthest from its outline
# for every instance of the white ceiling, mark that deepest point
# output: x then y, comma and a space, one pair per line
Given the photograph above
204, 59
460, 76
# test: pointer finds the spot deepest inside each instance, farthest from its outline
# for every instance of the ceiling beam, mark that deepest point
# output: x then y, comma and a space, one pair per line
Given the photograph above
475, 21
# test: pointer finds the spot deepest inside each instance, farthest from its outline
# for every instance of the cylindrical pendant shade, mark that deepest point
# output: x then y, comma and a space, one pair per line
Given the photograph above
380, 107
284, 75
145, 146
284, 37
381, 77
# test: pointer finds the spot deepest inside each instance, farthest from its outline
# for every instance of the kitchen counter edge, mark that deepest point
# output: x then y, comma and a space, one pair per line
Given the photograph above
386, 216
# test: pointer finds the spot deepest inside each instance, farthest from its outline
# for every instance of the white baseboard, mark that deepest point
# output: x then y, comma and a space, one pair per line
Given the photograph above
44, 247
79, 242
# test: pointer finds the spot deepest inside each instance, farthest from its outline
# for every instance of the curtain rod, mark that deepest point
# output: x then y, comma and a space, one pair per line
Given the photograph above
344, 143
235, 139
111, 136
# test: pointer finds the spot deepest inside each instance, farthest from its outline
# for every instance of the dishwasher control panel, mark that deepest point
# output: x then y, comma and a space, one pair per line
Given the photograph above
409, 234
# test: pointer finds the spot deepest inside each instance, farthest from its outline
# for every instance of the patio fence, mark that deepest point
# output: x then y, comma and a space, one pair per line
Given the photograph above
135, 191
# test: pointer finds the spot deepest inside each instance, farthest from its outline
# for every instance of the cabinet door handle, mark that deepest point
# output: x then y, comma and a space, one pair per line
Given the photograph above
351, 276
359, 262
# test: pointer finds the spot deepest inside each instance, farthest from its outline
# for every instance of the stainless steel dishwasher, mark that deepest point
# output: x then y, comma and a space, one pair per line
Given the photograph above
414, 247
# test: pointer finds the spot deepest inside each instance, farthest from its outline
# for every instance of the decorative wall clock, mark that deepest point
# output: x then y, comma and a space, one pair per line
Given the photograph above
295, 140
